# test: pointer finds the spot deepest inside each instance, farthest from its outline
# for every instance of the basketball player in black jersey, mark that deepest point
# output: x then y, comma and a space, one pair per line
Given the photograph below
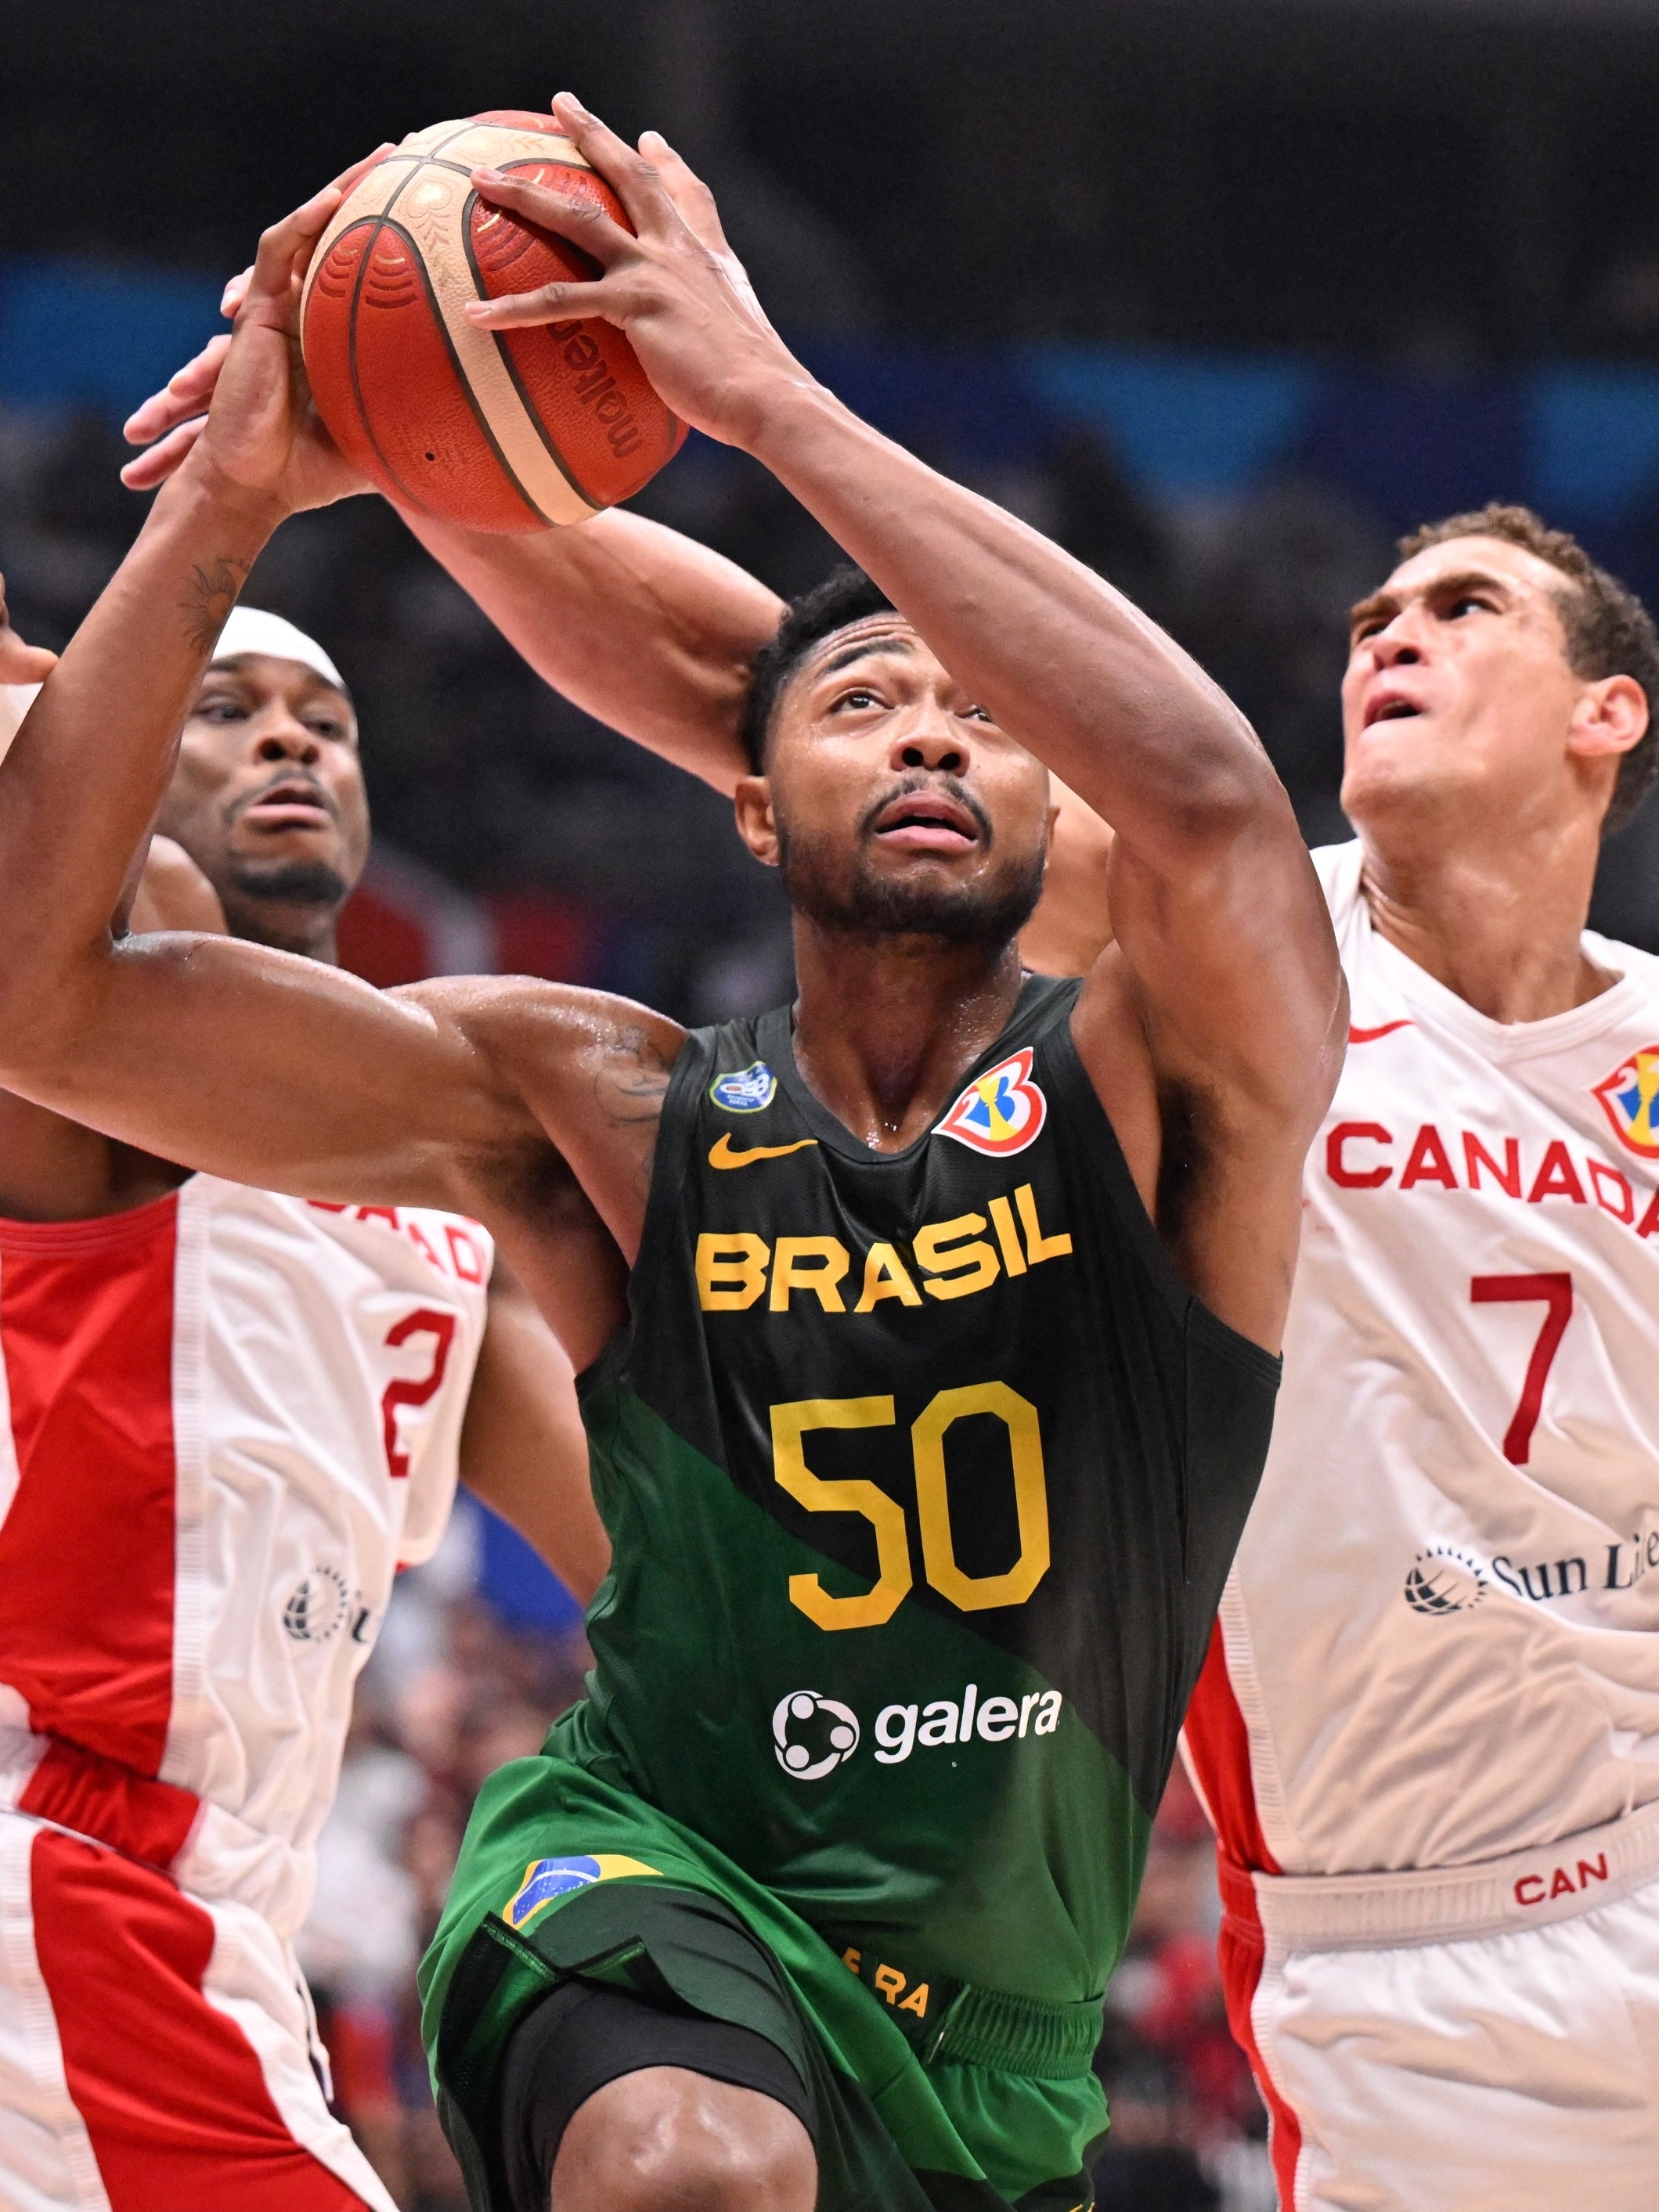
719, 1945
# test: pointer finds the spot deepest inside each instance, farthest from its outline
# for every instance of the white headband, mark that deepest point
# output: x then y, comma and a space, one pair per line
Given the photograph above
250, 629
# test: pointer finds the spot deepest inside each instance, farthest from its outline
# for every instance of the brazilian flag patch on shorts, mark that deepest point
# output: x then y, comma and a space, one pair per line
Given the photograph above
546, 1880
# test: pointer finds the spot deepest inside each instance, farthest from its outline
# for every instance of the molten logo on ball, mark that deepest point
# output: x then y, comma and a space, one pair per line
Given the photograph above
498, 430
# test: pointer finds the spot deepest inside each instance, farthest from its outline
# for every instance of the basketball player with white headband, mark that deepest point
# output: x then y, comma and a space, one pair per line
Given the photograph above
229, 1416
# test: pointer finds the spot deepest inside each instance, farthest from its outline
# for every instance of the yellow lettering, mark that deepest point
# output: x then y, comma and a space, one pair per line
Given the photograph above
852, 1957
731, 1271
885, 1277
890, 1982
1039, 1246
885, 1515
977, 1593
1002, 1221
944, 1255
917, 2001
791, 1273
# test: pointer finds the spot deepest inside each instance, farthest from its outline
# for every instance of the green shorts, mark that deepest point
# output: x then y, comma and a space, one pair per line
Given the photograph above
563, 1875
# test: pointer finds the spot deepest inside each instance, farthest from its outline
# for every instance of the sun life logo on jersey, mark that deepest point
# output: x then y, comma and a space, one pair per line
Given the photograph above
1629, 1099
319, 1606
547, 1880
748, 1090
827, 1749
1442, 1579
1001, 1112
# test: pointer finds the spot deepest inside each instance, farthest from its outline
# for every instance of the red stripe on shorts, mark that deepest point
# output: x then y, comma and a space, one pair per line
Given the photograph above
87, 1565
170, 2089
1219, 1745
147, 1821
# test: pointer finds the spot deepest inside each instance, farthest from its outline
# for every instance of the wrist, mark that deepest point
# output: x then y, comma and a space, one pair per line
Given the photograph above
250, 510
786, 413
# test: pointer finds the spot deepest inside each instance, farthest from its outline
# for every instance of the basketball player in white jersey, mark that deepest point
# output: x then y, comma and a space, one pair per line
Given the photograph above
228, 1418
1429, 1733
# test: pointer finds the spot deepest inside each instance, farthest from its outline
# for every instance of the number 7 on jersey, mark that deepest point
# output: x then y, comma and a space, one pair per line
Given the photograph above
1554, 1292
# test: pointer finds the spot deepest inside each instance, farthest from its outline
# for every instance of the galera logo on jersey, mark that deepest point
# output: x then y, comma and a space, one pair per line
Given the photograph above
1442, 1579
813, 1735
748, 1090
1001, 1112
1629, 1096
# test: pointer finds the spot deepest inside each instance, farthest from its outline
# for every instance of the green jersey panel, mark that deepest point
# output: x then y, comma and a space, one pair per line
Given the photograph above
923, 1473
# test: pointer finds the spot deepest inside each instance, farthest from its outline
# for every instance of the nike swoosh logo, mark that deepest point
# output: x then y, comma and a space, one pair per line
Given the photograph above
721, 1154
1387, 1028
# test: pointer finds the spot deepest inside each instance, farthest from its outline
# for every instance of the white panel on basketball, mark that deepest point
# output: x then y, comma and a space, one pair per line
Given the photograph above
424, 186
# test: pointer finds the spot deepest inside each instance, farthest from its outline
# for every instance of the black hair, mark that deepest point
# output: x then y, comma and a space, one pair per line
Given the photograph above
846, 595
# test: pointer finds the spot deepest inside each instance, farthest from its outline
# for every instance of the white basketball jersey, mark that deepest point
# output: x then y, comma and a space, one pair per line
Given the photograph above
229, 1418
1441, 1635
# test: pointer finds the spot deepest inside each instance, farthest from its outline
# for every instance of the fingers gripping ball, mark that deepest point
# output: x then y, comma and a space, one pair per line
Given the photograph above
499, 430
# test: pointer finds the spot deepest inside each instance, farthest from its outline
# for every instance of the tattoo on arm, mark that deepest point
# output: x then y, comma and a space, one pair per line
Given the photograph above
210, 596
634, 1081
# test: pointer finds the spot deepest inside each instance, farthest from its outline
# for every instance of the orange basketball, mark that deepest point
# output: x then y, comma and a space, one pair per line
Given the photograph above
500, 430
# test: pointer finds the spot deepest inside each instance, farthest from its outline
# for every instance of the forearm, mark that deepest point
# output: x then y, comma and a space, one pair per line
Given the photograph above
641, 628
1065, 663
81, 783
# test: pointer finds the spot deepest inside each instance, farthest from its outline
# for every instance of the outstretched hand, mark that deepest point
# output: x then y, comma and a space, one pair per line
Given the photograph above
673, 283
171, 421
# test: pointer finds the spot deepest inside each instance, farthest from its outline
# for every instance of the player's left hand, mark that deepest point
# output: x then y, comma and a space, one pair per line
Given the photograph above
170, 421
672, 283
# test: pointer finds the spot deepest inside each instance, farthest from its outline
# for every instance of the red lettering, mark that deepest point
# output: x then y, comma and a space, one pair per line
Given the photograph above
1554, 1293
422, 1244
1476, 1157
469, 1260
421, 1322
1369, 1132
1562, 1885
1557, 1177
1649, 1220
1597, 1868
1624, 1208
386, 1214
1428, 1162
327, 1205
1533, 1881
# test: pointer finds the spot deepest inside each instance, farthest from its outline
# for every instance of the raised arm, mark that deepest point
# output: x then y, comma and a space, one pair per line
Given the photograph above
225, 1056
1212, 1028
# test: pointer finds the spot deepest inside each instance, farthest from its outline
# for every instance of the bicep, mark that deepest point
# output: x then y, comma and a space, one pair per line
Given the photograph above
266, 1068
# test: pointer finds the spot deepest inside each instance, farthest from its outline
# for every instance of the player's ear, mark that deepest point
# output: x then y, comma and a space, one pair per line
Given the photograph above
751, 803
1611, 717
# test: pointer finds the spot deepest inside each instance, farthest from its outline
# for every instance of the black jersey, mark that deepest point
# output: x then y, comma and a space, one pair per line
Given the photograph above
923, 1473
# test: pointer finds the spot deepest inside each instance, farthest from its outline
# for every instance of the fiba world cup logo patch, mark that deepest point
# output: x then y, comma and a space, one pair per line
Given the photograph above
999, 1113
1628, 1098
747, 1092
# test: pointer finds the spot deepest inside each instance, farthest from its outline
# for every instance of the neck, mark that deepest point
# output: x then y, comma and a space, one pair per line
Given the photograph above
285, 925
1496, 918
885, 1026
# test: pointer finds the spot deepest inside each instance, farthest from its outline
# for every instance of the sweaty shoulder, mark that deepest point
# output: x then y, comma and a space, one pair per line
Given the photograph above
583, 1074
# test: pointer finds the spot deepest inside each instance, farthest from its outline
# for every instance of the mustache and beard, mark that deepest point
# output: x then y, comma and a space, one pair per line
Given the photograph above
288, 883
839, 888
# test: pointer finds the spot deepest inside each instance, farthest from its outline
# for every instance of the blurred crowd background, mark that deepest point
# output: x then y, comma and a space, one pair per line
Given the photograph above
1222, 293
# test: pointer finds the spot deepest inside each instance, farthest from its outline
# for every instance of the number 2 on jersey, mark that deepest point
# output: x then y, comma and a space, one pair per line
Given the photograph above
1555, 1293
403, 1391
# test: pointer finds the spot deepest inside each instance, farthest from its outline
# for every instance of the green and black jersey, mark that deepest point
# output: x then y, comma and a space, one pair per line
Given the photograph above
923, 1473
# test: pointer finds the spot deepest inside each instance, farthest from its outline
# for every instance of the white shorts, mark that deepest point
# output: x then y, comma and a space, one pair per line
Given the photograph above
155, 2050
1481, 2040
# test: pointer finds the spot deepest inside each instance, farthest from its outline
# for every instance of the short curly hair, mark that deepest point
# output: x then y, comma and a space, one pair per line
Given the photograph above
846, 596
1608, 630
